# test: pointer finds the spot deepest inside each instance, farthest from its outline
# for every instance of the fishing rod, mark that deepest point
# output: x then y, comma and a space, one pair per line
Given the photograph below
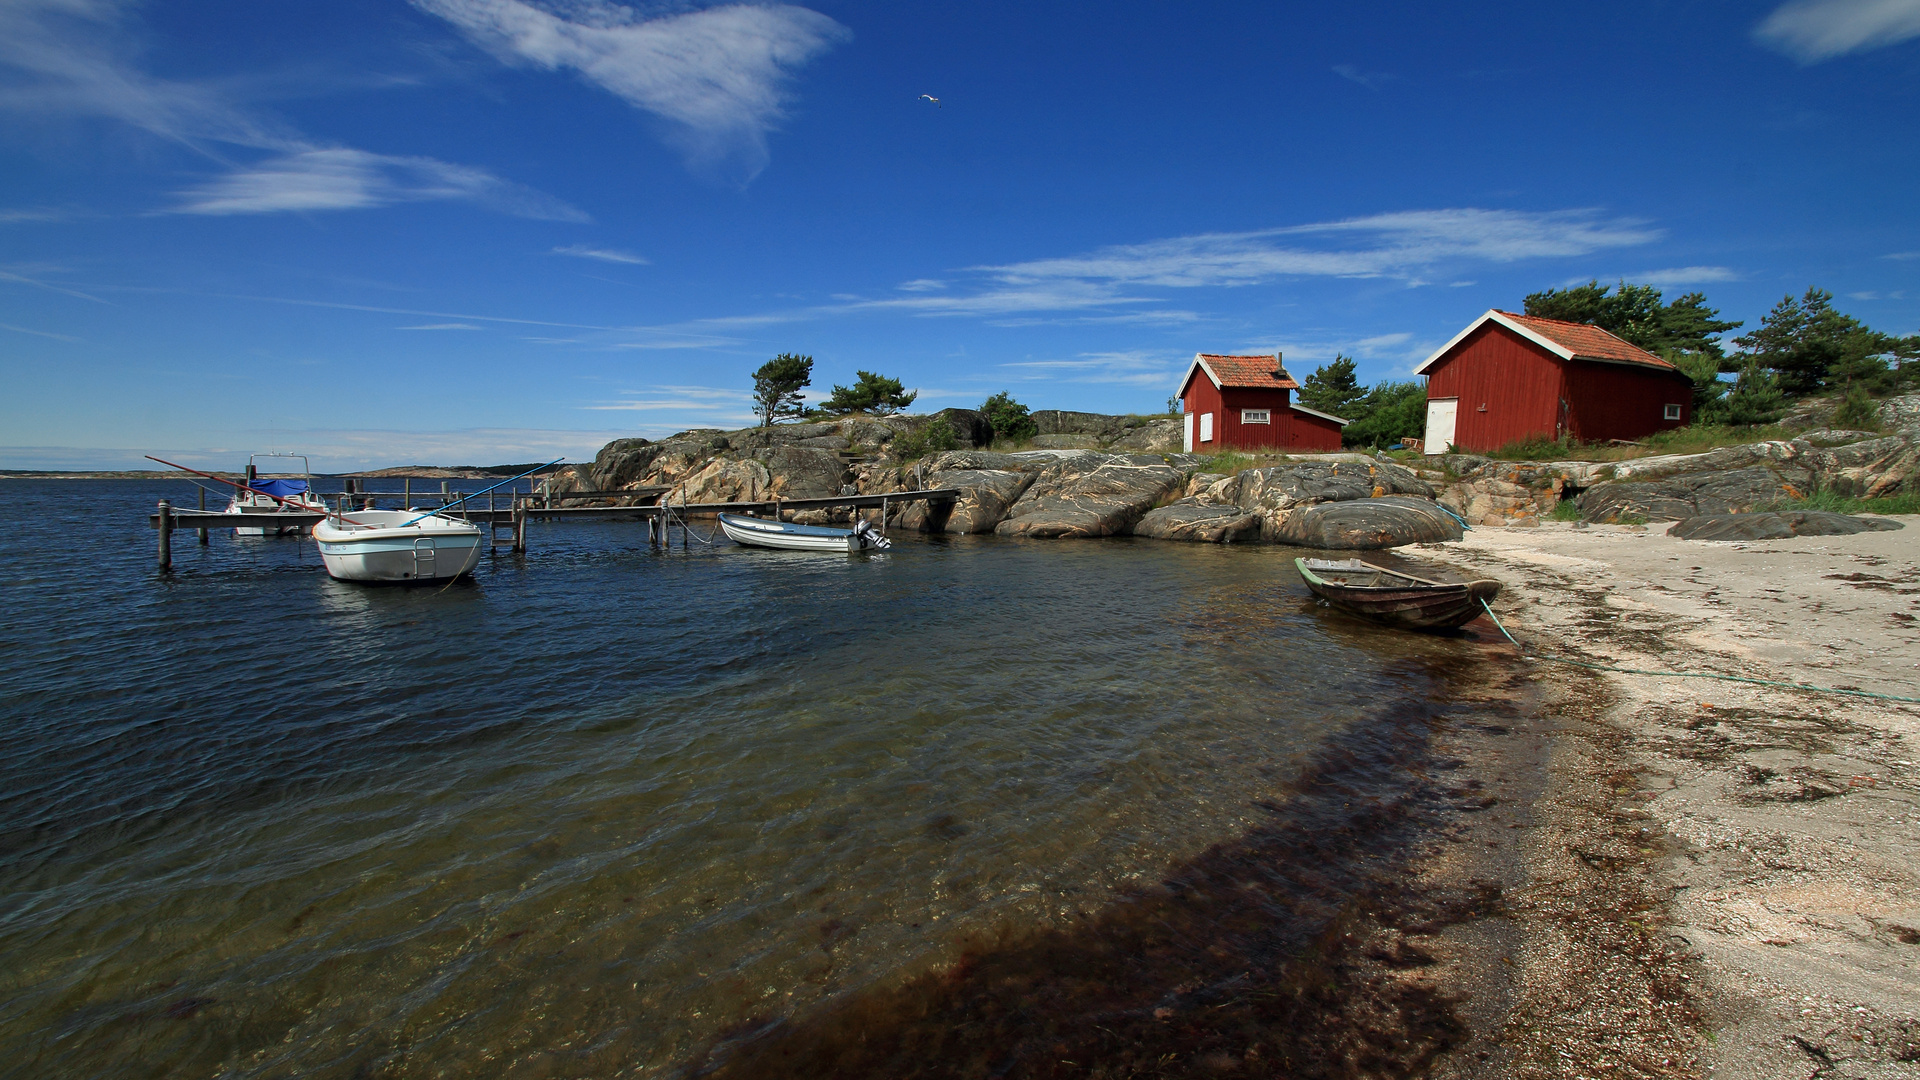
243, 487
482, 491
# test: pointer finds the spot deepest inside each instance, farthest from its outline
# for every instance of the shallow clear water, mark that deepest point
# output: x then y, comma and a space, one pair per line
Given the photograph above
589, 811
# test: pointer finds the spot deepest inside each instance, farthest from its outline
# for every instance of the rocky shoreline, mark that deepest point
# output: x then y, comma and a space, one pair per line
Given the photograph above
1094, 476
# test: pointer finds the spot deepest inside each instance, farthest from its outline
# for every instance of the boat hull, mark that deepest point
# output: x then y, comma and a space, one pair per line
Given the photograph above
760, 532
1412, 606
433, 550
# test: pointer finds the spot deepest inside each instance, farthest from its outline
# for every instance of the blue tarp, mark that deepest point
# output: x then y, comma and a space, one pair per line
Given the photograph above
283, 488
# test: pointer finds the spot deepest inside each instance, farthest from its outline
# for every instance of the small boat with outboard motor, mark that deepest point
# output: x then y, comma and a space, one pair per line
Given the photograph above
1396, 597
766, 532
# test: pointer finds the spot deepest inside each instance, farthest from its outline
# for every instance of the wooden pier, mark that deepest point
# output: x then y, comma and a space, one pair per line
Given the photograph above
659, 515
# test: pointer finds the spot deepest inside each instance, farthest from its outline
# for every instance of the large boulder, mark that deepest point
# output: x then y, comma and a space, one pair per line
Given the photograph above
1694, 494
1062, 422
1150, 436
1367, 524
970, 428
985, 497
1190, 519
1777, 526
802, 472
1282, 487
956, 460
1085, 495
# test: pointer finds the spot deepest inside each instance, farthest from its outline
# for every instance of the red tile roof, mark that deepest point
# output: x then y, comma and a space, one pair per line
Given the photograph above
1588, 342
1261, 372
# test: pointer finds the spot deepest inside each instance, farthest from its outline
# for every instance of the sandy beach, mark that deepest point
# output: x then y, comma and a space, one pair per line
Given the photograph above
1717, 878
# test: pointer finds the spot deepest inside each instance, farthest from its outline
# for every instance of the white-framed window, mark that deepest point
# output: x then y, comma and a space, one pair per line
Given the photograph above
1206, 427
1673, 412
1256, 416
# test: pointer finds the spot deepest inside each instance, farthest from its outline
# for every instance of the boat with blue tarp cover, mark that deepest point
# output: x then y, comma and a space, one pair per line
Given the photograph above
280, 495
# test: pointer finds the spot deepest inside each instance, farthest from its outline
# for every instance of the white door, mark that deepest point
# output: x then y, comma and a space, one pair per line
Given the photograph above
1206, 427
1190, 419
1440, 416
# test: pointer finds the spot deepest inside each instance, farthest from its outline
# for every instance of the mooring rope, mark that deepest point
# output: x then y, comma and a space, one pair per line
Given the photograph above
1689, 674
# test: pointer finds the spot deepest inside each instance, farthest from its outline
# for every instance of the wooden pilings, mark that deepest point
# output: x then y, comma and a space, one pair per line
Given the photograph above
203, 509
166, 537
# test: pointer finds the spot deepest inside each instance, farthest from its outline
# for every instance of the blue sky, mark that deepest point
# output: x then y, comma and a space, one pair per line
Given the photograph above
479, 231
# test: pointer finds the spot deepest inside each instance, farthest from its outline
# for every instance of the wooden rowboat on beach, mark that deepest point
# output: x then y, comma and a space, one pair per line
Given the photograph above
1393, 597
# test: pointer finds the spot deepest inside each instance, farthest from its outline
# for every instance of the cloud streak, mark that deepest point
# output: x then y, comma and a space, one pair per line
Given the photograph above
1402, 245
717, 76
1814, 30
582, 251
71, 58
342, 179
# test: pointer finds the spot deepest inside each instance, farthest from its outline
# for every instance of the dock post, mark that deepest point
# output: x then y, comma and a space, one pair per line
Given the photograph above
166, 537
203, 507
406, 493
519, 528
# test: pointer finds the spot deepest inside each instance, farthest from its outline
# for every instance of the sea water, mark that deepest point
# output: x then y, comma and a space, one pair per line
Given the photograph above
600, 805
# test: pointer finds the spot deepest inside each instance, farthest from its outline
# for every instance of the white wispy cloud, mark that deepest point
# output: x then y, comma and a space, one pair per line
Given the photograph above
21, 215
718, 76
1684, 275
441, 326
1128, 367
75, 58
678, 408
37, 333
342, 179
338, 449
37, 283
1814, 30
1383, 245
582, 251
921, 285
1903, 256
1372, 80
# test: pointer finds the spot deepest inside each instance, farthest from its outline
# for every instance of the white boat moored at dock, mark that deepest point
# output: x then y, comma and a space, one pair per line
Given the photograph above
398, 545
763, 532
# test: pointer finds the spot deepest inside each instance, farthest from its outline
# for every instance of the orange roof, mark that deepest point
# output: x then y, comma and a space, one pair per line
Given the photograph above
1588, 342
1259, 372
1568, 340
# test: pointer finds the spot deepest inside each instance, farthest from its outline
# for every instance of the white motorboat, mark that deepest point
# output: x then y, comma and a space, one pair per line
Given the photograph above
763, 532
279, 496
398, 545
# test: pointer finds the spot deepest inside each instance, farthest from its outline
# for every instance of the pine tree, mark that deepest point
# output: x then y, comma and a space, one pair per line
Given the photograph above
872, 393
777, 386
1812, 347
1332, 388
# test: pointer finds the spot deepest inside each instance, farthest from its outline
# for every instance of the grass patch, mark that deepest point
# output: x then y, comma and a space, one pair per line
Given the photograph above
1695, 439
1836, 503
1565, 510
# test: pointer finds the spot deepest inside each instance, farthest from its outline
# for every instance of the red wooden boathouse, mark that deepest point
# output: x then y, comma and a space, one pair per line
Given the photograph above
1511, 377
1242, 403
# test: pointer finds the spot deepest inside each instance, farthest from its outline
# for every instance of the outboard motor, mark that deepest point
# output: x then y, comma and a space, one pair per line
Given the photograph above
870, 536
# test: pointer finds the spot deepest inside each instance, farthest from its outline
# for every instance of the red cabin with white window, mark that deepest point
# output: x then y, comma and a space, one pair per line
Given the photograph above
1511, 377
1242, 403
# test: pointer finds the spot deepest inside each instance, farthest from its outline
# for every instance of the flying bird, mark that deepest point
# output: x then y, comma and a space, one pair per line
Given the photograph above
935, 100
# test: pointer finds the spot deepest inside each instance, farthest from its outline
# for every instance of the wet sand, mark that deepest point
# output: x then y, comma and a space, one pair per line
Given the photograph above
1721, 879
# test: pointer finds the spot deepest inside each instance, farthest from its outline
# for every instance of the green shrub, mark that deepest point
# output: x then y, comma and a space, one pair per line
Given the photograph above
926, 437
1565, 510
1857, 411
1008, 418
